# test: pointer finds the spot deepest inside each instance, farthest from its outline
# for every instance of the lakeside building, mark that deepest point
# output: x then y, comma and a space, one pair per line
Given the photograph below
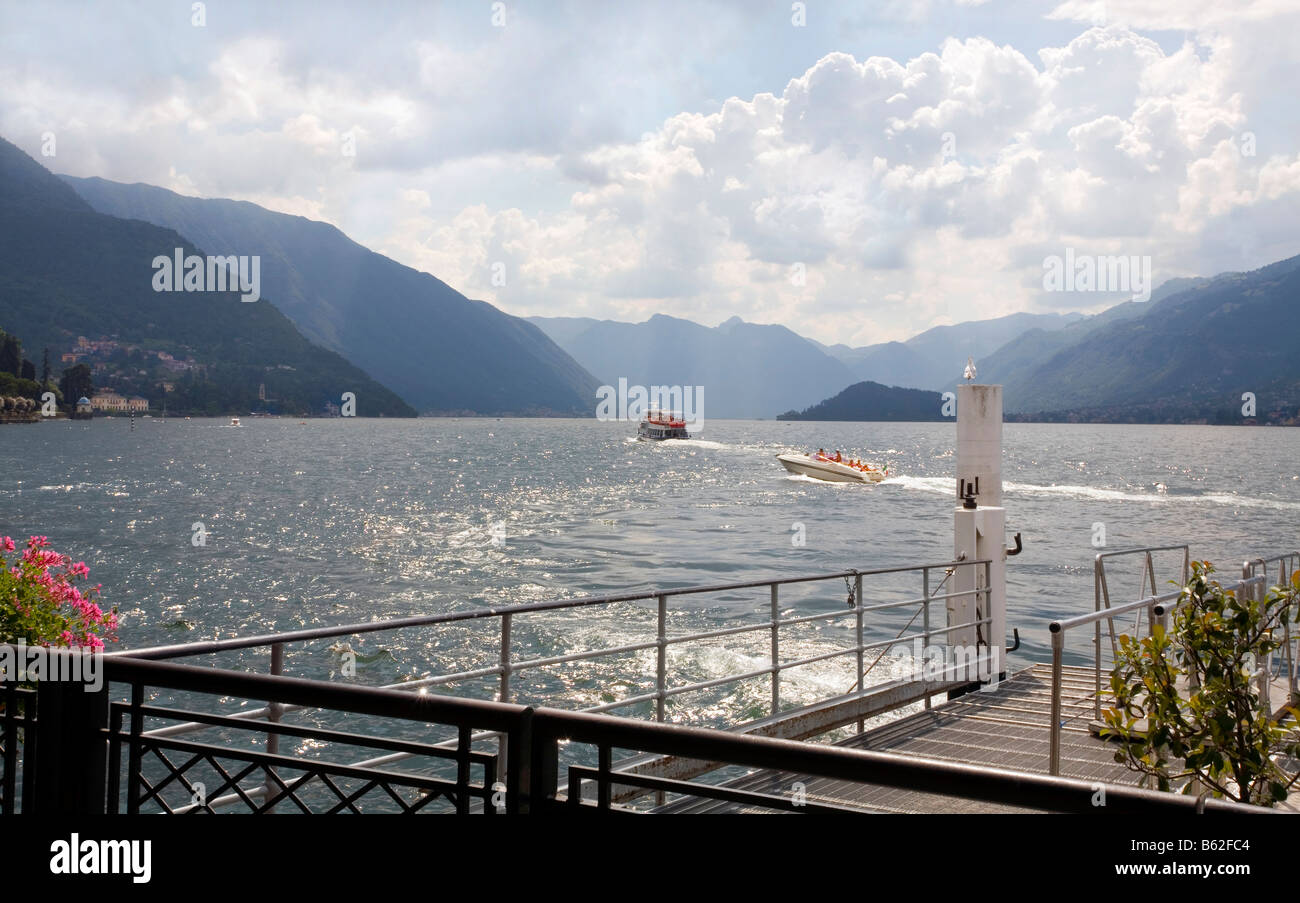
111, 401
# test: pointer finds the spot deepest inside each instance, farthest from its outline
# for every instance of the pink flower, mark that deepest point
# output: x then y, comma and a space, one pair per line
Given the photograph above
44, 604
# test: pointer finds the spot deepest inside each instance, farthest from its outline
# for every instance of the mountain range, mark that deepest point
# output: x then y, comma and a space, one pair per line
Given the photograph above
935, 358
440, 351
747, 370
336, 316
1189, 354
68, 271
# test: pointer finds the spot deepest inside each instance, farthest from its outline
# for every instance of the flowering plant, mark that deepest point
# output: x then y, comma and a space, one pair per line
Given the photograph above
41, 604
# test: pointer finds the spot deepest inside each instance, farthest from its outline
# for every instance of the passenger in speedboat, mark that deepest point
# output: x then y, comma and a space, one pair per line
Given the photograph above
838, 459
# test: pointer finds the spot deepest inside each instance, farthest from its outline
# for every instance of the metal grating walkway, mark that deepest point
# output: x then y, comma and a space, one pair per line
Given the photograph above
1006, 728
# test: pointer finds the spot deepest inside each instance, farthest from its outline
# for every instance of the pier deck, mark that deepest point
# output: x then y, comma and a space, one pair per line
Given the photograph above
1006, 728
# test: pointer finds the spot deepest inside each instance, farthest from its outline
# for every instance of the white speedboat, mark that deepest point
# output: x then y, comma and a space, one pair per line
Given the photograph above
234, 421
823, 468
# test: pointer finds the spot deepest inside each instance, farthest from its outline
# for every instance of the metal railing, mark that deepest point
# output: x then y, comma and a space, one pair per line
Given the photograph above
1285, 566
507, 667
1147, 587
1156, 608
97, 754
17, 720
790, 762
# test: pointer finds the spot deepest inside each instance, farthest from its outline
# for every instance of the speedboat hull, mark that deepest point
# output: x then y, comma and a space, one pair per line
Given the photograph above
828, 470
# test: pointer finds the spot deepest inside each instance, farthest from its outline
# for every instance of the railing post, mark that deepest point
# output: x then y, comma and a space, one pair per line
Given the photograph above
857, 595
135, 755
925, 628
1096, 638
505, 657
544, 770
71, 761
776, 653
503, 742
274, 711
661, 658
1054, 736
1103, 596
519, 765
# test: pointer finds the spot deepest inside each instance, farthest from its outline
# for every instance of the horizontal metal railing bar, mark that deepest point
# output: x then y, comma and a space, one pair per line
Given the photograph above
210, 646
316, 733
1062, 626
1157, 606
707, 791
715, 682
547, 727
812, 659
1286, 556
514, 667
1118, 552
405, 779
532, 663
672, 640
765, 672
987, 784
631, 700
507, 667
482, 713
1162, 607
490, 671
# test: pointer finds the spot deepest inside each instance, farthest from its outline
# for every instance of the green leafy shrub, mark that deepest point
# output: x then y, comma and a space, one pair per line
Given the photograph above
1187, 704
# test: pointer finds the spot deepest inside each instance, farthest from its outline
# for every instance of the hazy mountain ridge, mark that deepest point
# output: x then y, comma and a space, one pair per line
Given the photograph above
67, 271
1188, 354
746, 369
441, 351
934, 359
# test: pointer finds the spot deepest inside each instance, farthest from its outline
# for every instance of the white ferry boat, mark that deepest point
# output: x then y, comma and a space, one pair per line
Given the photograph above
657, 425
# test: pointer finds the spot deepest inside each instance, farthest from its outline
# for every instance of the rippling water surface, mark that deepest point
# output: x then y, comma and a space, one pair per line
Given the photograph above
337, 521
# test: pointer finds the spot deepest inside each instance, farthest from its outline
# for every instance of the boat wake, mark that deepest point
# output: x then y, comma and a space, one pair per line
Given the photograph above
693, 443
1119, 495
947, 486
834, 484
940, 485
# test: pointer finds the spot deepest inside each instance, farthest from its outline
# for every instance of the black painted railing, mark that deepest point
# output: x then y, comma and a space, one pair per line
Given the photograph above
99, 751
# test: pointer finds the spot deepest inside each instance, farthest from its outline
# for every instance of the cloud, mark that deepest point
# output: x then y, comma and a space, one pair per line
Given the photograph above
853, 199
1111, 146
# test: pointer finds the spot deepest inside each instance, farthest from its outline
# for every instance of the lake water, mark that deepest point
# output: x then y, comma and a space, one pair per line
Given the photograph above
338, 521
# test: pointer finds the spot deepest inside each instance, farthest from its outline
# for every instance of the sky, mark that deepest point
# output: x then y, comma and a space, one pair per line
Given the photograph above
858, 172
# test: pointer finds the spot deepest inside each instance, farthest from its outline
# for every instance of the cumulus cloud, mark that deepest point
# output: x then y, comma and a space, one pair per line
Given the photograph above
858, 199
905, 193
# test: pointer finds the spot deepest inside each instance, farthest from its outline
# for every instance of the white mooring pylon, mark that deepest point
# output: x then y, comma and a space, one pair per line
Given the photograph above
979, 523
